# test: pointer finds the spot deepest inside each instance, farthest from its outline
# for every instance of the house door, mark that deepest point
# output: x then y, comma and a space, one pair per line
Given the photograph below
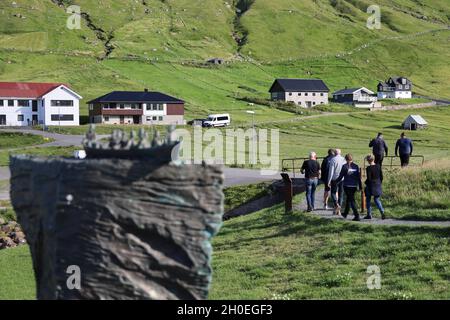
413, 126
122, 119
136, 120
35, 119
309, 104
2, 120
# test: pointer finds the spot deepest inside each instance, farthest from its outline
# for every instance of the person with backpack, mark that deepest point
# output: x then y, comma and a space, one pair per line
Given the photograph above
351, 176
379, 148
373, 188
324, 177
404, 146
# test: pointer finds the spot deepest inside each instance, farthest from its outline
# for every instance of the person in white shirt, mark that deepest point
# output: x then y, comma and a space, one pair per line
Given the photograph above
336, 185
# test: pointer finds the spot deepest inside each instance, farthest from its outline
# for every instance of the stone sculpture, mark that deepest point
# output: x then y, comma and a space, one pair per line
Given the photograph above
131, 227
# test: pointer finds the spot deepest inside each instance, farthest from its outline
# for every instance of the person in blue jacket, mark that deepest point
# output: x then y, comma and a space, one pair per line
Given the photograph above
404, 146
352, 183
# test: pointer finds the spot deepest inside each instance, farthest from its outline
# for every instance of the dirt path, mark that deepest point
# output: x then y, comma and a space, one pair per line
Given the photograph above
328, 214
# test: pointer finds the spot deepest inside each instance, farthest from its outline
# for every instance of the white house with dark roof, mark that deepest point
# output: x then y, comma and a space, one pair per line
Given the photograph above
358, 97
395, 88
49, 104
303, 92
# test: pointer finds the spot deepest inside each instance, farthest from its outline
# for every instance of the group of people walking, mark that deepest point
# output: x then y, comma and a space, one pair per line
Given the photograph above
341, 176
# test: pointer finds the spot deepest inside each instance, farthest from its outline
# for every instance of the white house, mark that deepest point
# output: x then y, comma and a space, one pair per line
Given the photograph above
359, 97
50, 104
395, 88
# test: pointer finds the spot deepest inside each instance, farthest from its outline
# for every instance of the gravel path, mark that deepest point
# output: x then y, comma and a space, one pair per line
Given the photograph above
328, 214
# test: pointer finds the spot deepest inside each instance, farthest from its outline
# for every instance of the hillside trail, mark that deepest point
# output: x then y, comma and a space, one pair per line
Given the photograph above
328, 214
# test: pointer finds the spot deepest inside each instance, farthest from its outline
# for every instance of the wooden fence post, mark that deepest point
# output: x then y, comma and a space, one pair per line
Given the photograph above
288, 193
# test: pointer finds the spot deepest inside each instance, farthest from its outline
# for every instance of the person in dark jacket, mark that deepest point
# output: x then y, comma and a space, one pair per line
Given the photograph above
404, 146
352, 182
373, 186
324, 177
379, 148
311, 169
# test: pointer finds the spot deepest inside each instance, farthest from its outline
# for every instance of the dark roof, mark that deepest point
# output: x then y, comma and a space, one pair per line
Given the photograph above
396, 81
136, 96
349, 91
295, 85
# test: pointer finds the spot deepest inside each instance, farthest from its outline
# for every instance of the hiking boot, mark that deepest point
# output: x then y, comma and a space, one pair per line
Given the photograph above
383, 216
356, 218
309, 210
368, 217
344, 215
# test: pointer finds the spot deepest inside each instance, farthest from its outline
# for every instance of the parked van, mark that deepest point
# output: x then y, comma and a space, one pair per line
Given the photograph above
217, 120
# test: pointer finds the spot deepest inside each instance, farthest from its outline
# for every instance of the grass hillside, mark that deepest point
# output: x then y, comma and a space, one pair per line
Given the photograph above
161, 45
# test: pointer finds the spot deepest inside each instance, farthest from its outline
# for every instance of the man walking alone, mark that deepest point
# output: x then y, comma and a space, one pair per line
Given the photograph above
405, 147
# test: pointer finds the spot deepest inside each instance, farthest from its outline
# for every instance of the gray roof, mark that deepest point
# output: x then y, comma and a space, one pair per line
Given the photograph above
417, 119
299, 85
396, 80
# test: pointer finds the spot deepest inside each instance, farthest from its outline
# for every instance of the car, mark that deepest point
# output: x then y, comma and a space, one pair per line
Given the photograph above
217, 120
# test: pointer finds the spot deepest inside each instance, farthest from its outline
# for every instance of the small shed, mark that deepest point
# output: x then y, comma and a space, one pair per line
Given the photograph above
414, 122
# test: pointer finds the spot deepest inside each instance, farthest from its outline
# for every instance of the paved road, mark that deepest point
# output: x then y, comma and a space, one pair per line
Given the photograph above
328, 214
236, 176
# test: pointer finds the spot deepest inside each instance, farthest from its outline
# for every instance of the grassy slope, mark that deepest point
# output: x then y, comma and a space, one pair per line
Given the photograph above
269, 253
176, 31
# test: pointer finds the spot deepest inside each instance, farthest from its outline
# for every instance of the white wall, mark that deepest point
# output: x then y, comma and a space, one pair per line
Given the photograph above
61, 93
395, 95
12, 113
300, 98
152, 113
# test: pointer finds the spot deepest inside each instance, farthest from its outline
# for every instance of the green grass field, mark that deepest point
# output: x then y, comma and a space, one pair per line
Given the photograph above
17, 140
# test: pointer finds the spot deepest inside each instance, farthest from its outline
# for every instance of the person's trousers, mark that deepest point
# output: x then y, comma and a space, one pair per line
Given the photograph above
337, 188
404, 160
350, 201
311, 186
377, 203
379, 159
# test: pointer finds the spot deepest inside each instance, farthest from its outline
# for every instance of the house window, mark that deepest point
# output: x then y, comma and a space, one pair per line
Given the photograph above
91, 107
149, 118
314, 103
20, 117
321, 102
160, 118
10, 103
154, 118
23, 103
62, 117
61, 103
314, 94
306, 94
121, 106
299, 94
321, 94
290, 93
155, 106
406, 86
1, 103
106, 118
160, 107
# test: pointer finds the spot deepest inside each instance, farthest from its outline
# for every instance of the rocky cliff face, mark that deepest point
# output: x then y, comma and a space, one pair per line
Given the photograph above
129, 229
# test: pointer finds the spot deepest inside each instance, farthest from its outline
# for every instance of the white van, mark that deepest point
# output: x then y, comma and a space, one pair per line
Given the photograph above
217, 120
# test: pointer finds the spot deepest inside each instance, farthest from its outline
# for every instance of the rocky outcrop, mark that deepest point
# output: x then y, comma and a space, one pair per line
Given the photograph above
134, 229
11, 234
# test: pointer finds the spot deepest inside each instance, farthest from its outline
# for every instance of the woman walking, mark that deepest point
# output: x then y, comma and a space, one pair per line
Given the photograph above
352, 182
373, 186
